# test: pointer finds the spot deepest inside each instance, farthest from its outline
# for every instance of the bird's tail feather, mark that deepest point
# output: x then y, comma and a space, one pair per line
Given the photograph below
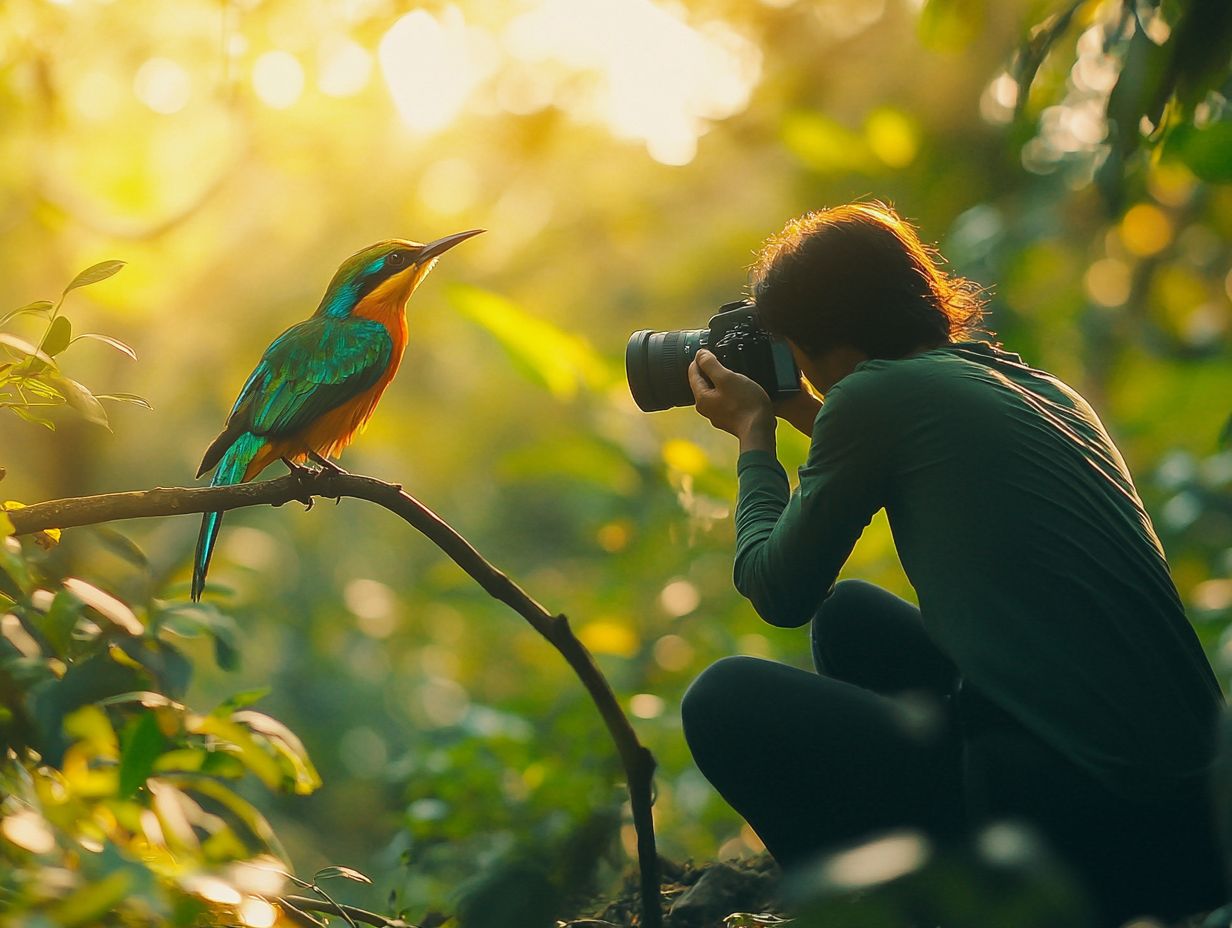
231, 470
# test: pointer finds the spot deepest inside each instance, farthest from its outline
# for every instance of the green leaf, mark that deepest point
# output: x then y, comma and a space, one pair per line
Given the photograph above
58, 336
191, 619
1137, 92
347, 873
559, 360
6, 524
88, 905
142, 744
252, 819
1225, 434
121, 545
33, 418
1207, 151
94, 273
168, 666
106, 605
13, 566
1033, 52
241, 700
28, 353
85, 682
36, 308
107, 340
125, 398
286, 744
951, 25
43, 390
58, 623
81, 399
247, 748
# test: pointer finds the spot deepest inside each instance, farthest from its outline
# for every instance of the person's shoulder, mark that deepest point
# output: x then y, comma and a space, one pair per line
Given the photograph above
882, 375
951, 376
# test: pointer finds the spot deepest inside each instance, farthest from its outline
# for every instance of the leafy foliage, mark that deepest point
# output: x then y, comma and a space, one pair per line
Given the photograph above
31, 379
446, 733
130, 799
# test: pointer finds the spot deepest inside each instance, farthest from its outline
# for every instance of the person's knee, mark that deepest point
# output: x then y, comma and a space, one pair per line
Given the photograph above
840, 617
713, 700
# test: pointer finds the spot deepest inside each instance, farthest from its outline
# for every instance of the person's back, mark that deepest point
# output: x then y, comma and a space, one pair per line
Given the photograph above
1035, 564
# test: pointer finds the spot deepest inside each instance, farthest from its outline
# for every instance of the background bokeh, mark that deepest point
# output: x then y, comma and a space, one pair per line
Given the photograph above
626, 158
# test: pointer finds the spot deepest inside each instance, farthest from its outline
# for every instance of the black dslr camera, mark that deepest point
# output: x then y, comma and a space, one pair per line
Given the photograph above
657, 363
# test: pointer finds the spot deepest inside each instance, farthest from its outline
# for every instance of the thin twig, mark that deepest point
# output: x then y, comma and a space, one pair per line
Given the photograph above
349, 912
638, 762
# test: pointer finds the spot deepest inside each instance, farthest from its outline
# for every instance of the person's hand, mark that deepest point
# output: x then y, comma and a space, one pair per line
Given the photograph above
732, 402
800, 409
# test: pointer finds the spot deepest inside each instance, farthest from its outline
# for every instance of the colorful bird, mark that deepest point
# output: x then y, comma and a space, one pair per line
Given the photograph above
318, 382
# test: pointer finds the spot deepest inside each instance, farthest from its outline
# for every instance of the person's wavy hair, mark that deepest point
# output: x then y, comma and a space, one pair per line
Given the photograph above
859, 276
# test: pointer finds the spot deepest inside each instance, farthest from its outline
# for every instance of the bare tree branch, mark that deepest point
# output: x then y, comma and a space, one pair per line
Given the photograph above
638, 762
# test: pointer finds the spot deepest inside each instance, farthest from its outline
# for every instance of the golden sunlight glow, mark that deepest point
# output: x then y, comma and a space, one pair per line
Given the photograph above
432, 66
684, 456
679, 597
609, 637
999, 99
1146, 230
845, 19
278, 79
448, 187
374, 606
672, 652
647, 705
98, 95
660, 78
1107, 282
163, 85
213, 889
891, 137
345, 67
257, 913
30, 831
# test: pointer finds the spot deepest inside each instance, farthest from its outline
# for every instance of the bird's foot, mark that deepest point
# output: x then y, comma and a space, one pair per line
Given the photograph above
328, 465
297, 470
303, 475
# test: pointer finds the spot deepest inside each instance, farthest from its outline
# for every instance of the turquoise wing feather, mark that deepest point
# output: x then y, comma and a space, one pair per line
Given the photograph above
310, 369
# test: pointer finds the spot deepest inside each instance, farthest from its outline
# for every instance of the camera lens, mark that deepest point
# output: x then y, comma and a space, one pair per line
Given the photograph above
657, 365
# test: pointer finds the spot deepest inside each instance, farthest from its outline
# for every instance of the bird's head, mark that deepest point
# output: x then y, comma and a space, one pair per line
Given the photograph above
388, 271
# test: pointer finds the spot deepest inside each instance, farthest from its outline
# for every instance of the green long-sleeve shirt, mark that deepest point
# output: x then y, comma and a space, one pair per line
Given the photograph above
1036, 567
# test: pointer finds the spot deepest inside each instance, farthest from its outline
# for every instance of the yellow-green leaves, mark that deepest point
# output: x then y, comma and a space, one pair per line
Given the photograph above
59, 334
31, 380
559, 360
93, 274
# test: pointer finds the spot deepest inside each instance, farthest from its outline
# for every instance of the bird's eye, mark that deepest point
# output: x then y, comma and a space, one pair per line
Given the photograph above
395, 259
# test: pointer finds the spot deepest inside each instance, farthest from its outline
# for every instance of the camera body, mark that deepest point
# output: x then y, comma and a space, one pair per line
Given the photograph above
657, 363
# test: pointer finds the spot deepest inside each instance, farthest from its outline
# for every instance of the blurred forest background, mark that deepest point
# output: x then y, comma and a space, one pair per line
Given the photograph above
627, 159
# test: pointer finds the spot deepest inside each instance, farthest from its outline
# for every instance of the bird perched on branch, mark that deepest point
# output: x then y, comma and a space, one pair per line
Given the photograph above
318, 382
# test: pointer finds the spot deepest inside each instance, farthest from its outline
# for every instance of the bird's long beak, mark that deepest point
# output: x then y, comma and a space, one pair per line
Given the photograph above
442, 245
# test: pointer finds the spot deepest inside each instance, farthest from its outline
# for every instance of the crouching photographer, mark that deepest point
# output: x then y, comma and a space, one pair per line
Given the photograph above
1073, 693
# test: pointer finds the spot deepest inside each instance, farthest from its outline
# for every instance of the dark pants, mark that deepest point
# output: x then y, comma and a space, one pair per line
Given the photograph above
877, 740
